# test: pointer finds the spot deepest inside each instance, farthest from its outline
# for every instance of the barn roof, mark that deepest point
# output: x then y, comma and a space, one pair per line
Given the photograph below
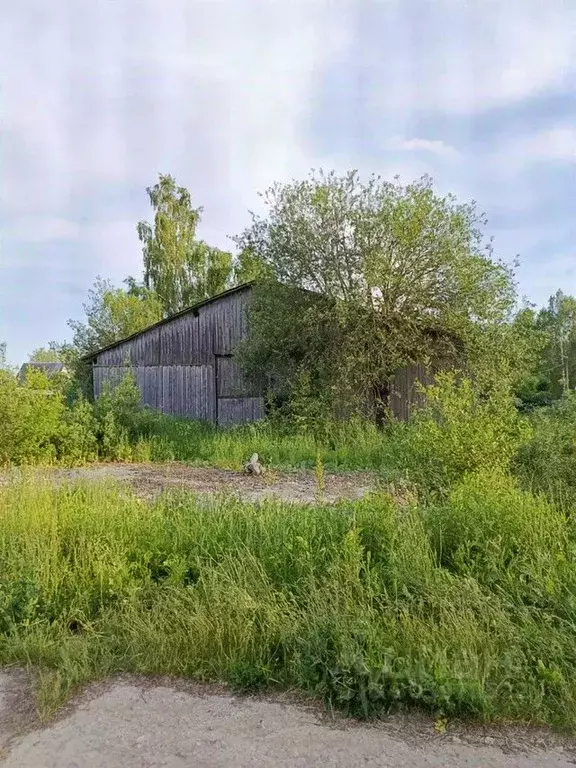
165, 320
48, 368
194, 307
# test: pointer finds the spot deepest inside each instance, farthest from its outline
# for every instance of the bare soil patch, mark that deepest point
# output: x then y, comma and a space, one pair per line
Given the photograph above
150, 480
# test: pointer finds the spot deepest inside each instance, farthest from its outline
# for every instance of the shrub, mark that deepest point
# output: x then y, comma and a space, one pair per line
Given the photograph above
30, 417
547, 462
36, 425
76, 441
459, 430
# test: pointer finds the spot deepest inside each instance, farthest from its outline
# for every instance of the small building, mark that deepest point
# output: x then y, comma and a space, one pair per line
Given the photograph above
184, 365
50, 369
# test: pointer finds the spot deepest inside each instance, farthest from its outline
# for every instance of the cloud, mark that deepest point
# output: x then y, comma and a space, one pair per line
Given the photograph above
530, 152
554, 144
41, 229
432, 146
110, 92
464, 57
229, 96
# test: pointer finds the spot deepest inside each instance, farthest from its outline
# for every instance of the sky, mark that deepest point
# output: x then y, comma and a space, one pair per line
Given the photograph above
97, 97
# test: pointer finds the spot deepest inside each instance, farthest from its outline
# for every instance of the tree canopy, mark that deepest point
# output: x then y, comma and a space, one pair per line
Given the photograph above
178, 268
387, 271
113, 314
3, 355
49, 354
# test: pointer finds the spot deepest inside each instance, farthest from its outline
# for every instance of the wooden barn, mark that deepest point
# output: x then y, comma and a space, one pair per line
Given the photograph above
184, 365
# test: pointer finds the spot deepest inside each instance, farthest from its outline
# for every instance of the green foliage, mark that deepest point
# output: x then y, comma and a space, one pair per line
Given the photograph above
550, 337
38, 426
30, 414
248, 267
490, 530
388, 264
548, 461
178, 268
463, 608
558, 325
48, 354
459, 430
113, 314
77, 439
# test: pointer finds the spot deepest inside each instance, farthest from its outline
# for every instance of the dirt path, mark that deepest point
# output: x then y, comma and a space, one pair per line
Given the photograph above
149, 480
151, 724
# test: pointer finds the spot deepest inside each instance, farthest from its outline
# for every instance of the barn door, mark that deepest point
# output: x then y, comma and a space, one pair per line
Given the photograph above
234, 403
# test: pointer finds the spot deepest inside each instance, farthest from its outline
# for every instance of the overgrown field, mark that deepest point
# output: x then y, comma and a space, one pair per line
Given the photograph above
464, 606
460, 600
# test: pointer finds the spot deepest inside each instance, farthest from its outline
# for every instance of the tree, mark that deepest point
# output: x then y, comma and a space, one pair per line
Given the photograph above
50, 354
388, 272
248, 267
178, 268
558, 322
3, 356
113, 314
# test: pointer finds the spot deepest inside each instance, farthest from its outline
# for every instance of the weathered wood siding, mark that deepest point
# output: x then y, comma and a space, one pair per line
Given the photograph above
178, 364
233, 410
230, 379
185, 366
404, 395
142, 350
188, 390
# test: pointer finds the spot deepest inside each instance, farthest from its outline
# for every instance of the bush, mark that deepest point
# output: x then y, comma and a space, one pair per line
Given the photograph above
77, 441
459, 430
36, 425
30, 417
547, 462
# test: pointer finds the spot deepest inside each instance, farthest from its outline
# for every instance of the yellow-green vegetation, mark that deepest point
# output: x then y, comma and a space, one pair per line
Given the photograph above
464, 606
457, 596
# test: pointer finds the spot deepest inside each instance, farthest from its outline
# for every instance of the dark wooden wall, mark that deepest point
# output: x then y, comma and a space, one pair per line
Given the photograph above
404, 394
185, 366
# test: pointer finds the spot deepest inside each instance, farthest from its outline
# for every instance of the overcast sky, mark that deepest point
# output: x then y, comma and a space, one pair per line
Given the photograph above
99, 96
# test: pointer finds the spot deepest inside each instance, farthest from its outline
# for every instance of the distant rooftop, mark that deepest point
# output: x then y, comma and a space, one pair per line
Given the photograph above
50, 369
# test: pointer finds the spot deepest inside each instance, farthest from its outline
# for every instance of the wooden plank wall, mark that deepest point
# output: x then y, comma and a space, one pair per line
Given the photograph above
191, 339
178, 390
232, 410
231, 381
404, 397
188, 390
174, 363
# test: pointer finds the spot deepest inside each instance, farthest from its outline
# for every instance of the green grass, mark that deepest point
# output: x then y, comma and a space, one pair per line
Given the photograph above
464, 608
347, 447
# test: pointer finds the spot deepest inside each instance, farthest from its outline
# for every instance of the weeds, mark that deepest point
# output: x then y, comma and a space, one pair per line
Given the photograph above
464, 608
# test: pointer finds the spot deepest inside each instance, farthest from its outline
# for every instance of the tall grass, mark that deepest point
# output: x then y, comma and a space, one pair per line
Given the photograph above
465, 607
349, 446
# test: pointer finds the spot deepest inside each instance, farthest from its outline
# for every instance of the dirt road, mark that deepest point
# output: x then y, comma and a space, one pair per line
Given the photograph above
139, 724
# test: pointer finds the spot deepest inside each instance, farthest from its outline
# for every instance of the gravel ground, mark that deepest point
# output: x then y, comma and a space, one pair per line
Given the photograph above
135, 723
149, 480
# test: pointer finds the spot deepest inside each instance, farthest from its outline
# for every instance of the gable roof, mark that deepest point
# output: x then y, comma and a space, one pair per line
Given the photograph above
48, 368
165, 320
